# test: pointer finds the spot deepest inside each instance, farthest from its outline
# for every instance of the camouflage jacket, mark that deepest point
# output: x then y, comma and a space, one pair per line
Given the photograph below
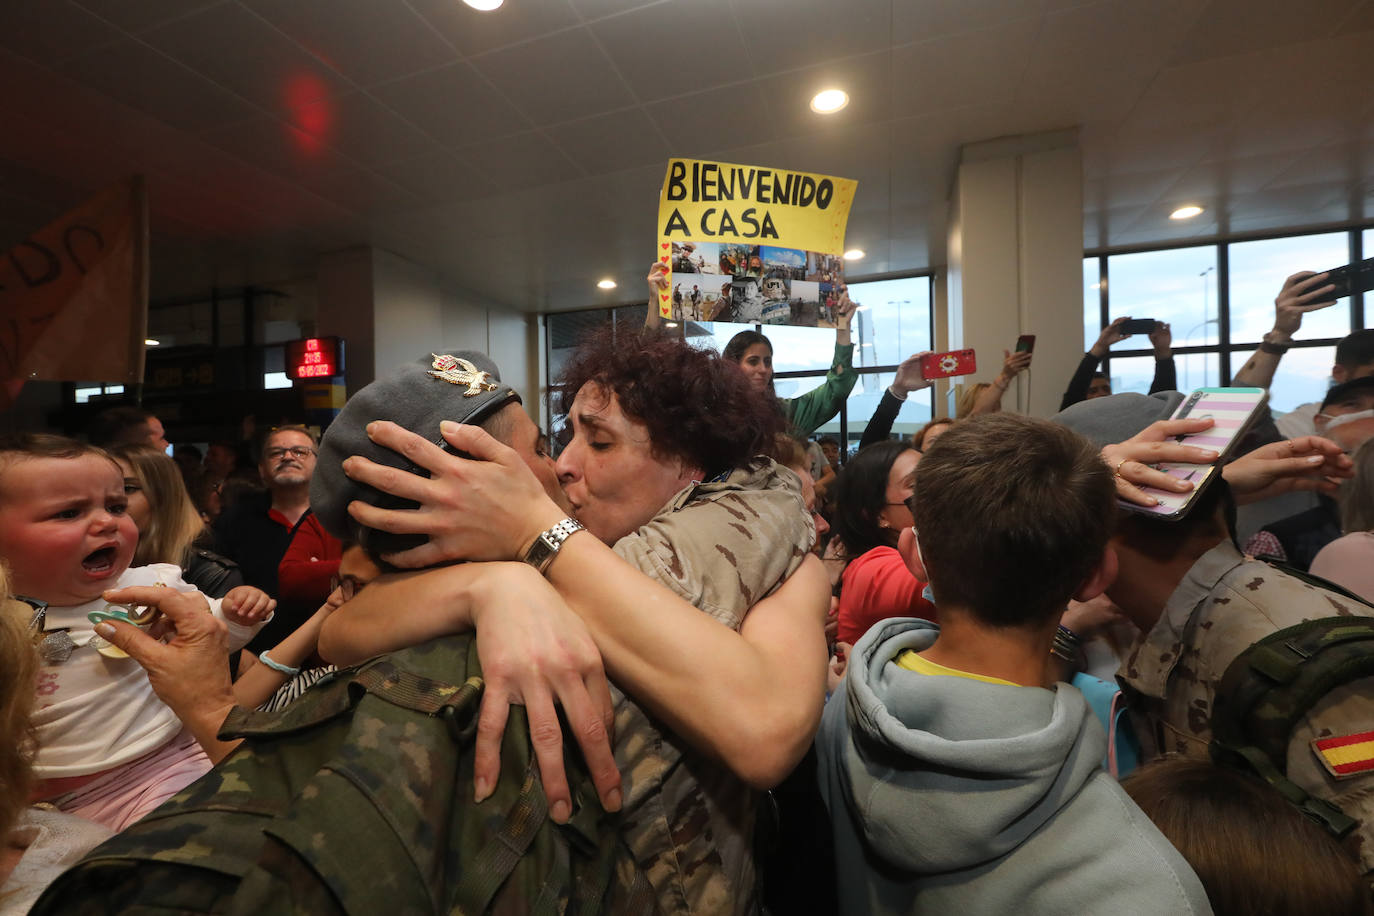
721, 545
1226, 602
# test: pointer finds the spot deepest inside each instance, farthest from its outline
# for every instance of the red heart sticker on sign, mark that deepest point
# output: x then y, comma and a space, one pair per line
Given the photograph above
663, 296
664, 246
663, 260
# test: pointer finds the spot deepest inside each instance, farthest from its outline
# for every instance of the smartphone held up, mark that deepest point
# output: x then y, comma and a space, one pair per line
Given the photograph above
948, 364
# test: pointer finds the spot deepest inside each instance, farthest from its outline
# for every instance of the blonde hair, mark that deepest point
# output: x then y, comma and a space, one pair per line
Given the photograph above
18, 671
174, 521
968, 398
1357, 495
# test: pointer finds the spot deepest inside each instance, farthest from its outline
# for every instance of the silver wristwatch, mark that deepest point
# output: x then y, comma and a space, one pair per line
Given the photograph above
547, 545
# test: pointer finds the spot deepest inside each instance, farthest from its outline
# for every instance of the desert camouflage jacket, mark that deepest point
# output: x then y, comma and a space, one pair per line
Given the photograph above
1226, 602
721, 545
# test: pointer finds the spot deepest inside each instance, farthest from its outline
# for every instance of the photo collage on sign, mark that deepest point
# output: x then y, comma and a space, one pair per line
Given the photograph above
755, 284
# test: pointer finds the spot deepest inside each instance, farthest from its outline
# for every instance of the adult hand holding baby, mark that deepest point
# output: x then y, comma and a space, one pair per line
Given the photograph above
189, 672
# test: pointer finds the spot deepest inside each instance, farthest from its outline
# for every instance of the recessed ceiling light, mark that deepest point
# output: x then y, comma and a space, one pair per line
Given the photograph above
606, 284
853, 254
149, 342
484, 5
670, 324
1187, 212
829, 101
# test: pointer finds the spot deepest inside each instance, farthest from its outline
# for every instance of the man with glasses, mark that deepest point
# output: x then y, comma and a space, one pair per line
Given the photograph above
256, 530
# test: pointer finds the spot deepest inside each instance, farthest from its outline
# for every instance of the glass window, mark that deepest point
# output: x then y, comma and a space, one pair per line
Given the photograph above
272, 380
1177, 286
1258, 270
1092, 301
798, 349
893, 320
864, 399
1136, 373
1303, 376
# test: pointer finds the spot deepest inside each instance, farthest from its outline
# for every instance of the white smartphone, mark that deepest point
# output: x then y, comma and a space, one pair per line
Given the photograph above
1233, 412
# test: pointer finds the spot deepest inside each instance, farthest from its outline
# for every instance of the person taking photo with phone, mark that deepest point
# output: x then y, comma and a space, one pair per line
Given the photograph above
1088, 383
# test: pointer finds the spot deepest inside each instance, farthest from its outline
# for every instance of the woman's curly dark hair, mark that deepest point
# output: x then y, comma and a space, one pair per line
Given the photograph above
698, 408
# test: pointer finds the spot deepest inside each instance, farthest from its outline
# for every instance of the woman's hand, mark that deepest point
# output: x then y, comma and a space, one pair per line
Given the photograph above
491, 508
1305, 463
247, 606
535, 651
190, 672
1130, 460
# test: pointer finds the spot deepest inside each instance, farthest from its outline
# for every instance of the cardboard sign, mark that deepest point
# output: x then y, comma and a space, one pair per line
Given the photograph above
751, 245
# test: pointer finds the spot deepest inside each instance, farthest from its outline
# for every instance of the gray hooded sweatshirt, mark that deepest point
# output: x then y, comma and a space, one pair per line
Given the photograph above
950, 795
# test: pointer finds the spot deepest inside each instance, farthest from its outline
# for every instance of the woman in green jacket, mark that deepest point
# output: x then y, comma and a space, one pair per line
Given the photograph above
753, 353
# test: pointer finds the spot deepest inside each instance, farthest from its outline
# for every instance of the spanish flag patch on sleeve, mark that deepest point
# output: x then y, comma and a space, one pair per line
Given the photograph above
1346, 755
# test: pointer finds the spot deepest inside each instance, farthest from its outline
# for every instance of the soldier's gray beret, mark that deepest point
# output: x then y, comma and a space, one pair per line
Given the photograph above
1118, 417
464, 387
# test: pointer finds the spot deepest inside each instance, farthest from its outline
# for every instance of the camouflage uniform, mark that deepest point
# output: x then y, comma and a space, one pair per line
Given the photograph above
1226, 602
721, 545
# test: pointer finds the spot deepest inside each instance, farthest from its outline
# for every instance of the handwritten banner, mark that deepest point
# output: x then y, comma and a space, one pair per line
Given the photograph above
765, 244
74, 295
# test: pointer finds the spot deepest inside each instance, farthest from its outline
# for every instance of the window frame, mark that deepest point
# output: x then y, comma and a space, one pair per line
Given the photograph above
1225, 346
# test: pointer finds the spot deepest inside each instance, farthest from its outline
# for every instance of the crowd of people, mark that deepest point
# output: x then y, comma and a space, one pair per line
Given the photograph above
951, 672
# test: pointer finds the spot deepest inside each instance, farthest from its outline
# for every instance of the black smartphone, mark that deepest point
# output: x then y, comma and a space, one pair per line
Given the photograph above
1138, 326
1350, 279
1025, 343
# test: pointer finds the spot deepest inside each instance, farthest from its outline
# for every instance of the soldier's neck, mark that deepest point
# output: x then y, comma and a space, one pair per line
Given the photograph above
1145, 581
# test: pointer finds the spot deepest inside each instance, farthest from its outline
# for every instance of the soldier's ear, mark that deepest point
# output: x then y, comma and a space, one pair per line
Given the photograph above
1101, 578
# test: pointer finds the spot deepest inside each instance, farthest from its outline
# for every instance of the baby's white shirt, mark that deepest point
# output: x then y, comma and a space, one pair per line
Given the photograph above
93, 713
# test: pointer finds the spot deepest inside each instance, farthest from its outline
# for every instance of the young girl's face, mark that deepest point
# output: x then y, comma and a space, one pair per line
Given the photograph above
65, 532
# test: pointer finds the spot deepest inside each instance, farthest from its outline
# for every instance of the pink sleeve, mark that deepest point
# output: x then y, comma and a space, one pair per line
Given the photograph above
1349, 562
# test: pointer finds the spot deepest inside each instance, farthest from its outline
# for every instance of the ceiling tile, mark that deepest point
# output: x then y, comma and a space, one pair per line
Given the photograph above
277, 147
363, 129
929, 19
975, 68
136, 15
704, 39
367, 41
52, 30
440, 177
557, 78
236, 49
143, 78
714, 119
362, 192
521, 161
454, 105
1112, 47
783, 36
609, 143
597, 9
1230, 27
867, 78
1340, 166
473, 32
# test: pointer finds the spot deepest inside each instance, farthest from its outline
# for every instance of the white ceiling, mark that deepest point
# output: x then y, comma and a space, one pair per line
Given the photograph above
520, 152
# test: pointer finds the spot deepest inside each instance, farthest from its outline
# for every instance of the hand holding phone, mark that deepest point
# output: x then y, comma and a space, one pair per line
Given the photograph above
948, 364
1025, 343
1209, 422
1138, 325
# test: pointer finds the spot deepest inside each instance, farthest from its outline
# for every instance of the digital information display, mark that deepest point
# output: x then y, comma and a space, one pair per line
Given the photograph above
314, 357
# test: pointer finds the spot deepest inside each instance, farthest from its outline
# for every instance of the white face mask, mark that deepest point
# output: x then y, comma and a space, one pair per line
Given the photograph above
1348, 418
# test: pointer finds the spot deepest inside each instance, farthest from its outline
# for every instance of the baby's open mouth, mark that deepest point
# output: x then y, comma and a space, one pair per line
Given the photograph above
99, 561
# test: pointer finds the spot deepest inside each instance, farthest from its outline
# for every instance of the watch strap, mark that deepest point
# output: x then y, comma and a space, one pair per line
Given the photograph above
549, 542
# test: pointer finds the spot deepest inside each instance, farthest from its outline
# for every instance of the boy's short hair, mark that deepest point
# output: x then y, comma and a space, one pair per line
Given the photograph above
1356, 349
1013, 515
19, 446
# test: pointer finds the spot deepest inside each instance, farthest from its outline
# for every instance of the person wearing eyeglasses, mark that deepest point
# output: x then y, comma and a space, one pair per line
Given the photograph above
256, 530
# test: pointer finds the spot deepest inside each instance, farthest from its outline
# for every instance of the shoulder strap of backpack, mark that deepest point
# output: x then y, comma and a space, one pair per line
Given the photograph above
1272, 684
